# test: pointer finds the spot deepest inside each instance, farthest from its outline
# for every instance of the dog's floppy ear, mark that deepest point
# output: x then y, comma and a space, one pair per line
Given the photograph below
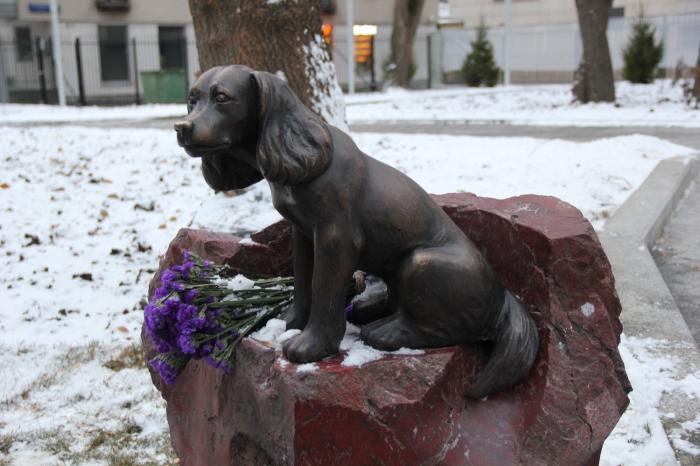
294, 144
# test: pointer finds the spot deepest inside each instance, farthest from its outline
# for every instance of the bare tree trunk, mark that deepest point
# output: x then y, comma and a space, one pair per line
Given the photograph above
282, 37
594, 78
696, 77
407, 15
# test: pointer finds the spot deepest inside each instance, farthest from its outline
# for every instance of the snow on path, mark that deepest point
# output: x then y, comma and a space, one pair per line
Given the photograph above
85, 212
656, 104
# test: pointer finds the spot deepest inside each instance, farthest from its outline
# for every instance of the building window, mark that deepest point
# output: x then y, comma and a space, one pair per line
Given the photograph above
617, 12
23, 43
114, 53
327, 7
171, 43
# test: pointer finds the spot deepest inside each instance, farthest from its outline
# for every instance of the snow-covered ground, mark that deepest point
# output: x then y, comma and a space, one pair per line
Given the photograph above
39, 113
657, 104
85, 212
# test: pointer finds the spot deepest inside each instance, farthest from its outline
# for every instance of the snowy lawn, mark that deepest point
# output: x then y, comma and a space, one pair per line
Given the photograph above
39, 113
85, 213
657, 104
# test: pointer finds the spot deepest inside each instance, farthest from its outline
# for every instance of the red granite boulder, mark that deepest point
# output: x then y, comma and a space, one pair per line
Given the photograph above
410, 409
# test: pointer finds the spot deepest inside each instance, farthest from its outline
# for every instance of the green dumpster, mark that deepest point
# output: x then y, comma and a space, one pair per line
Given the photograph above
164, 86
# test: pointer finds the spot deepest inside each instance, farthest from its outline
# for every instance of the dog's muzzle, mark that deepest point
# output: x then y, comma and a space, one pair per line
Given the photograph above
183, 128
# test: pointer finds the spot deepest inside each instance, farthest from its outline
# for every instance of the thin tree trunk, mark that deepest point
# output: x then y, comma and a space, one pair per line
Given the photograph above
279, 36
594, 80
407, 15
696, 76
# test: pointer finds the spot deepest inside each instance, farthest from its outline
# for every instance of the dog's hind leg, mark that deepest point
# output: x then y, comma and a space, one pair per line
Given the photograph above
443, 297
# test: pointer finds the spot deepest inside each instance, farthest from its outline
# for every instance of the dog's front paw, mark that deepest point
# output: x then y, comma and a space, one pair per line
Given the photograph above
309, 346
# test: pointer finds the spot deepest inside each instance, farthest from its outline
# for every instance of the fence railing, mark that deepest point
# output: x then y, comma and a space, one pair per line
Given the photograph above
99, 73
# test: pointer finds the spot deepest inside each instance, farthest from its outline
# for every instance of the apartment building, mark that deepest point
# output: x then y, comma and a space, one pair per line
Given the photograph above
108, 45
118, 39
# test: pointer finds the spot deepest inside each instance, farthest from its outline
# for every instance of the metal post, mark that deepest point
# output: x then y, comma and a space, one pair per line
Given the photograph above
136, 71
430, 60
372, 77
4, 94
58, 63
79, 65
506, 42
351, 45
183, 51
42, 71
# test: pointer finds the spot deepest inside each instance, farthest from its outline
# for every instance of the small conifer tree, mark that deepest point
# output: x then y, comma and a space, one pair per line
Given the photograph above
480, 68
642, 54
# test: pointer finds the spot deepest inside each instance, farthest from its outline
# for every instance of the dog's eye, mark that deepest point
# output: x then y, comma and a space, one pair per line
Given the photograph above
220, 97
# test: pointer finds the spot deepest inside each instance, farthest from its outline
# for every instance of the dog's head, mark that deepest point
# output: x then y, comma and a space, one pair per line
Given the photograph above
234, 110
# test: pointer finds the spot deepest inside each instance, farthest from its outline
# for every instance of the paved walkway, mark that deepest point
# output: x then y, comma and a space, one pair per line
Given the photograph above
677, 254
685, 136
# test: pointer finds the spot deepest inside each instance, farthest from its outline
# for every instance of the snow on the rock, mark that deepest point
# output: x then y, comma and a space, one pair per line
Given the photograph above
40, 113
656, 104
353, 351
272, 330
308, 367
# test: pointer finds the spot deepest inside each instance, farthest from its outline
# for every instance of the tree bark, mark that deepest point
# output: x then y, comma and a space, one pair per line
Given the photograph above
280, 36
407, 15
594, 78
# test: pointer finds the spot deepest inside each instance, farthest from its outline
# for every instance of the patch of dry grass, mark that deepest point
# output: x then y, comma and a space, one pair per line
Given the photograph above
129, 357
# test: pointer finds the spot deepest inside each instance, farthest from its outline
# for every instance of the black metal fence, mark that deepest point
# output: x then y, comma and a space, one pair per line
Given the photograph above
97, 72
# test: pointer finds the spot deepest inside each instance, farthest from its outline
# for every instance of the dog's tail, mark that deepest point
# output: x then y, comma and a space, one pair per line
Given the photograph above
514, 349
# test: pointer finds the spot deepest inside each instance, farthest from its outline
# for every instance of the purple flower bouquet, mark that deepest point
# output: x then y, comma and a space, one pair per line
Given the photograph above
198, 313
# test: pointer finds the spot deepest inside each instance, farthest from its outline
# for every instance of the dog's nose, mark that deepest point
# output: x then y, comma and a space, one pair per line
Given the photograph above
183, 127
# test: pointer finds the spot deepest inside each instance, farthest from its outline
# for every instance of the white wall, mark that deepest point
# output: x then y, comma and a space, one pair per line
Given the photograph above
557, 47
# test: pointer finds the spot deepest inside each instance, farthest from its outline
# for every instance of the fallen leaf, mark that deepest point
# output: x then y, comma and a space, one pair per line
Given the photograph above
104, 213
84, 276
147, 208
32, 240
123, 329
4, 185
162, 226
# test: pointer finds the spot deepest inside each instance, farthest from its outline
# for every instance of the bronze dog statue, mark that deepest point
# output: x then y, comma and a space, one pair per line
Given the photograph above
349, 212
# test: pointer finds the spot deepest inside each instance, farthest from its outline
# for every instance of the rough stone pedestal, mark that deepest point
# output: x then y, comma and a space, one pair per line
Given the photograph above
406, 410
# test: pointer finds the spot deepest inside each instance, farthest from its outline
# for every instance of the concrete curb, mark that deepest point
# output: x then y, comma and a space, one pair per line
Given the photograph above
648, 308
